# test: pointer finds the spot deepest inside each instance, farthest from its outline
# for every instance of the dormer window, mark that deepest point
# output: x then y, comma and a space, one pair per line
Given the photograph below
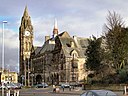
72, 44
74, 54
68, 45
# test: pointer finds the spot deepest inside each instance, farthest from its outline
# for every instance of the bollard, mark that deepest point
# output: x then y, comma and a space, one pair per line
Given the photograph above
125, 90
69, 88
63, 88
7, 92
16, 92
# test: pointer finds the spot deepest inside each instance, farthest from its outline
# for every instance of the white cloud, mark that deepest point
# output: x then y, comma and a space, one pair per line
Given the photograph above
10, 38
42, 27
11, 44
78, 17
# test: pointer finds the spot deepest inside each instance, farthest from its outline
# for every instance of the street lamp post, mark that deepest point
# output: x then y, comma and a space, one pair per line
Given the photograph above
3, 47
3, 55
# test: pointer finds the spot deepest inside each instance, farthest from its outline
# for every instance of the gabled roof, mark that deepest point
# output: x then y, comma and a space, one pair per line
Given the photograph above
65, 39
79, 45
67, 51
82, 42
37, 49
47, 46
64, 34
66, 42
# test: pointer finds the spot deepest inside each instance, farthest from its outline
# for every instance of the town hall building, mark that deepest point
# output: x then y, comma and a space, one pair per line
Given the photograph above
61, 59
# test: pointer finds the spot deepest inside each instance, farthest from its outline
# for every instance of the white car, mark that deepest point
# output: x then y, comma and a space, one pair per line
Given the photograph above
11, 86
42, 85
99, 93
65, 85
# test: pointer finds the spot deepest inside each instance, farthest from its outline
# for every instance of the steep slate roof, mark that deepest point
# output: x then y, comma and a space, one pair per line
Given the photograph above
66, 40
64, 34
80, 45
37, 49
82, 42
47, 46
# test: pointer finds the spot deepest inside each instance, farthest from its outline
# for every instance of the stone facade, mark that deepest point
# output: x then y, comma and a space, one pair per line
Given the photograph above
26, 43
60, 59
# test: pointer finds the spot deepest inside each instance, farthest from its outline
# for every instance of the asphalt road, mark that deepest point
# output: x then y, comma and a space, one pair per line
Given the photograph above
48, 92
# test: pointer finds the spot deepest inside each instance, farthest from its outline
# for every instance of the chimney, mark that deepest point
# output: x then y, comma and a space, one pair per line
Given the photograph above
47, 38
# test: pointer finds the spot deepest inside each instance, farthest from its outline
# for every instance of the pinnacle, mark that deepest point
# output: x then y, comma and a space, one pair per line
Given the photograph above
55, 30
26, 11
55, 24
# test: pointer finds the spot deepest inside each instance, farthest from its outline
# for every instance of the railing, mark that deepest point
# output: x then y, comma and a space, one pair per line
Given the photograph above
9, 92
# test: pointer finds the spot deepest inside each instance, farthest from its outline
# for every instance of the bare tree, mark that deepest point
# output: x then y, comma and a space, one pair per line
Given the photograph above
113, 20
116, 36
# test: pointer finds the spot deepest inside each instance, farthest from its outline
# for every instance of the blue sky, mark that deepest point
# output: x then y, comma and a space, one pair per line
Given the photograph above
82, 18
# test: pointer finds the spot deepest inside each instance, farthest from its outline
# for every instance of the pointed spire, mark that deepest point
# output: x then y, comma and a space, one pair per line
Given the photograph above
26, 11
26, 20
55, 24
55, 30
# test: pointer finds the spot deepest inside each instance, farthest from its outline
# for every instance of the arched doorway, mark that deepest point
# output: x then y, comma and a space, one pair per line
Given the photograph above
38, 79
56, 78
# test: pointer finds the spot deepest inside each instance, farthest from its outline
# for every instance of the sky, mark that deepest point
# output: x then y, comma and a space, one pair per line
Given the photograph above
82, 18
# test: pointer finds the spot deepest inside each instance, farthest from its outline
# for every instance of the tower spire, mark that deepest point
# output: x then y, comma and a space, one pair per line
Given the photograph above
26, 11
55, 30
26, 20
55, 24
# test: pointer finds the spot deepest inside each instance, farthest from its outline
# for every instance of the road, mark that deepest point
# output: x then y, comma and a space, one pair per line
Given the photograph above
48, 92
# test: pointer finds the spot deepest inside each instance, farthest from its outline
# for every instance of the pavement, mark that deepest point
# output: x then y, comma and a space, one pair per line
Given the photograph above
49, 92
75, 91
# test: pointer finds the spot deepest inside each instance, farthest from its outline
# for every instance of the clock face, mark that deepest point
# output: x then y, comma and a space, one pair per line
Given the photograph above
27, 33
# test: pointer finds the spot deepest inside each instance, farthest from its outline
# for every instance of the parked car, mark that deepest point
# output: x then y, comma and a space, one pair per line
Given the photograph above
18, 85
65, 85
42, 85
11, 86
99, 93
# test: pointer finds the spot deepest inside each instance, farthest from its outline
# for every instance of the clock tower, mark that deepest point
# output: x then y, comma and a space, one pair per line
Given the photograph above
26, 42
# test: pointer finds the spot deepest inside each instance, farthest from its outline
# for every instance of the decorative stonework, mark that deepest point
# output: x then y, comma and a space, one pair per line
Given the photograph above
26, 43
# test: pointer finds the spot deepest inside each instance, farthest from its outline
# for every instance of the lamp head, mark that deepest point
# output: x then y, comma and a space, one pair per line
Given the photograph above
5, 22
